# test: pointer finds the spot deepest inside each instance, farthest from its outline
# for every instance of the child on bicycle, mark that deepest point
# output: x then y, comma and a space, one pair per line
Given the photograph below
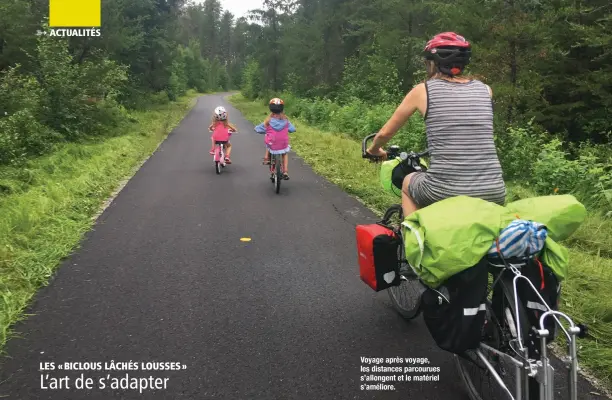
221, 131
277, 128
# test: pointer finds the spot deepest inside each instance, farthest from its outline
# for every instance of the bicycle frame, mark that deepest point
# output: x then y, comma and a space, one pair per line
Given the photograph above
541, 369
274, 159
219, 155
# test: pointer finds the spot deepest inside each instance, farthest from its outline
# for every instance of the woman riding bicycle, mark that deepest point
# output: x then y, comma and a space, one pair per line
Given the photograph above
458, 114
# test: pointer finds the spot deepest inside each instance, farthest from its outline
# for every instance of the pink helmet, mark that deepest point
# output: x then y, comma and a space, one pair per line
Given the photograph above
449, 51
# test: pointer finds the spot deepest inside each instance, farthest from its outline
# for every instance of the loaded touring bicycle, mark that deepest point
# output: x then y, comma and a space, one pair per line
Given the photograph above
498, 314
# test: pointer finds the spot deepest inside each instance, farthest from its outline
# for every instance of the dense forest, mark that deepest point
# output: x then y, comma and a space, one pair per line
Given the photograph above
344, 64
550, 61
54, 90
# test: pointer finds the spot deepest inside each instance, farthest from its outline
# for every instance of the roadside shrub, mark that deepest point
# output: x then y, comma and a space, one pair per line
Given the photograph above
319, 111
251, 80
177, 85
348, 117
588, 177
159, 98
80, 98
376, 80
196, 68
553, 172
21, 135
18, 92
518, 149
64, 100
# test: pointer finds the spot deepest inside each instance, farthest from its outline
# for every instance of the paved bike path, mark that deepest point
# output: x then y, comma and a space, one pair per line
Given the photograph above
164, 277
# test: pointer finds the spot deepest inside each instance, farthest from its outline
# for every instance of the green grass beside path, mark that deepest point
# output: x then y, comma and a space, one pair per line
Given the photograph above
585, 295
48, 205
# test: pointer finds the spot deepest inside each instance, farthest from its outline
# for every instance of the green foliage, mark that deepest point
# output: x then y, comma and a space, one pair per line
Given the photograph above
549, 63
196, 68
251, 80
21, 135
71, 87
64, 100
375, 80
518, 148
588, 175
178, 80
54, 89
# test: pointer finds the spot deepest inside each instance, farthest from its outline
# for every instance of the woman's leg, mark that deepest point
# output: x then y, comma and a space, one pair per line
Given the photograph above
408, 205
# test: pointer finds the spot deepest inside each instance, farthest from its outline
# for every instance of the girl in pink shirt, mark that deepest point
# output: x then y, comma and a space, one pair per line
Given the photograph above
277, 128
221, 132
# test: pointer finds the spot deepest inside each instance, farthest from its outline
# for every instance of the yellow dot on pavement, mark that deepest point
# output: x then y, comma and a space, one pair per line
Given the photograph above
245, 239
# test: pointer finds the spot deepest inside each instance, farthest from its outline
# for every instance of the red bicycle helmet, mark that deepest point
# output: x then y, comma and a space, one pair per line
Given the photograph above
449, 51
276, 105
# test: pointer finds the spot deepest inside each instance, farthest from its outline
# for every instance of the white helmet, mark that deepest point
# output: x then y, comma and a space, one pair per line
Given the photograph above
220, 113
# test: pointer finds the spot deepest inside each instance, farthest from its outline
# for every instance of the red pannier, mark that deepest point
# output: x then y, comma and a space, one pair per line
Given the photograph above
377, 250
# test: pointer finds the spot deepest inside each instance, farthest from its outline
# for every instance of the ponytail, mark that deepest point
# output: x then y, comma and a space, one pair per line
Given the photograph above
272, 115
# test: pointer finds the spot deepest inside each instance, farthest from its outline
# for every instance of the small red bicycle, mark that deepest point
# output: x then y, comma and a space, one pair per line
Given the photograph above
219, 155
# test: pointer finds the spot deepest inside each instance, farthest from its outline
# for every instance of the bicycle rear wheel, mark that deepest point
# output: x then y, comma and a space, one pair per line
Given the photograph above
219, 155
277, 173
405, 298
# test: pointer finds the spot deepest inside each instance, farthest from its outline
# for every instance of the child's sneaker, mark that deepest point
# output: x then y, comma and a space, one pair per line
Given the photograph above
212, 152
227, 160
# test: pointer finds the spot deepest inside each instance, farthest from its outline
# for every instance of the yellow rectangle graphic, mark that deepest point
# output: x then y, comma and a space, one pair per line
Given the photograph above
75, 13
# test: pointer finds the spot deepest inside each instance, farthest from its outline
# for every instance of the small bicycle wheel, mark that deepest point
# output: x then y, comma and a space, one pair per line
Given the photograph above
405, 298
278, 176
218, 167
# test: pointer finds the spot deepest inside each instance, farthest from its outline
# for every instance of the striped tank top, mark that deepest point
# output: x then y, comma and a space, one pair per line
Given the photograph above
459, 122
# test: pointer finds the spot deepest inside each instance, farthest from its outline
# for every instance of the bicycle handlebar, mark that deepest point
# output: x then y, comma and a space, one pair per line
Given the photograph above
393, 151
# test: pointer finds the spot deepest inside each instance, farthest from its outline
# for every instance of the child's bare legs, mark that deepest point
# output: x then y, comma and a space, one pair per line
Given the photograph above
267, 157
212, 146
286, 166
228, 151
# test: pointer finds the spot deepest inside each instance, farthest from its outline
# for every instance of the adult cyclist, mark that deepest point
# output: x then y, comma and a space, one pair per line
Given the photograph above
458, 114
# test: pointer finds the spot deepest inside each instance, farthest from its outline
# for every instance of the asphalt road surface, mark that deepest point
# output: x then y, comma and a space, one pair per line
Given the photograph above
164, 277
